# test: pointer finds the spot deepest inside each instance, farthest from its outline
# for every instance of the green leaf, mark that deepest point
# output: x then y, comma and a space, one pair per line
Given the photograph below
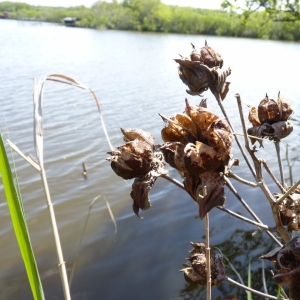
19, 224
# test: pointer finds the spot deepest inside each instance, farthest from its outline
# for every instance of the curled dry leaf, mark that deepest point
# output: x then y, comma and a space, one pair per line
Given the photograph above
276, 131
195, 271
140, 192
215, 192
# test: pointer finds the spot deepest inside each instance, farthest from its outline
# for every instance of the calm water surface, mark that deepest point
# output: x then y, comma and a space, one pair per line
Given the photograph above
134, 77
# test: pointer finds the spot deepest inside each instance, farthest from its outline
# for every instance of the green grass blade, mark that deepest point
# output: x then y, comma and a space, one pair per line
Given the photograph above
249, 294
19, 224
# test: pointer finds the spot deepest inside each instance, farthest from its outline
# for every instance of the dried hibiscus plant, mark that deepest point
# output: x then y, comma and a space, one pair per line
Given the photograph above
198, 144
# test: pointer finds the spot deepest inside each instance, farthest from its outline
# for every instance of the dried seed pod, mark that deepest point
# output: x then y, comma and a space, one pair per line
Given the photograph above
202, 117
196, 270
207, 56
195, 75
134, 159
201, 158
139, 134
253, 116
220, 138
174, 155
179, 128
268, 111
285, 108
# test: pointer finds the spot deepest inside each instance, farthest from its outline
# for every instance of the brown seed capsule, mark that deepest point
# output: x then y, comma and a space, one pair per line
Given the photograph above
207, 56
134, 133
132, 159
202, 117
253, 116
174, 155
195, 75
285, 108
196, 270
201, 158
179, 128
220, 138
268, 111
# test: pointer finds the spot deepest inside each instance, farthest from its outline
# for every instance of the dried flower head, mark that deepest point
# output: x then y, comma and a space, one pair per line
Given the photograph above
271, 119
287, 264
198, 145
289, 210
196, 270
138, 159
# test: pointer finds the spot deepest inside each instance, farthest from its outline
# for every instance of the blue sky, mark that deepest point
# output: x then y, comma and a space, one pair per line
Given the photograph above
212, 4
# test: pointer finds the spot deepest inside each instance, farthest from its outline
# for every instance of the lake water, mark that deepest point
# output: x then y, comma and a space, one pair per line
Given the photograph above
135, 78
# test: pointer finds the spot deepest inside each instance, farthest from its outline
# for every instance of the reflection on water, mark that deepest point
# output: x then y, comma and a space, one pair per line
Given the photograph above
134, 77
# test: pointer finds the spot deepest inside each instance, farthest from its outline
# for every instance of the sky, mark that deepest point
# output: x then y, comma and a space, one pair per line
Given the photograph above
210, 4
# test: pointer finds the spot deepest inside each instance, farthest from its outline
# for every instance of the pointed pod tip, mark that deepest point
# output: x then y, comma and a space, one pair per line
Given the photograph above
193, 45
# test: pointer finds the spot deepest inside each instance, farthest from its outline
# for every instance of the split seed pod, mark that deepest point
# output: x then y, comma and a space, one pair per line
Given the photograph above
207, 56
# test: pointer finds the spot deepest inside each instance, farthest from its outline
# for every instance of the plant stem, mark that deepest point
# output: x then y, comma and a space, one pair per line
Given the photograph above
277, 147
61, 262
250, 290
289, 164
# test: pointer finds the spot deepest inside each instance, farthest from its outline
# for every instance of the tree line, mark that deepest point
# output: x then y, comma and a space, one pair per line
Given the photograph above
152, 15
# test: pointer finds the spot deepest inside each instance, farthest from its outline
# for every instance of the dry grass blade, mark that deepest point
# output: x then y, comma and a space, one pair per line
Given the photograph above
111, 215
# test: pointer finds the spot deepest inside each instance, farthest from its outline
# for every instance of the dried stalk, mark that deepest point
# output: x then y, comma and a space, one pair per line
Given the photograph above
38, 130
277, 147
289, 164
286, 236
252, 290
260, 225
233, 190
272, 175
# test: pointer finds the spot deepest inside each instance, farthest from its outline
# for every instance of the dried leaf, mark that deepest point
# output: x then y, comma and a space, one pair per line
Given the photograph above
215, 192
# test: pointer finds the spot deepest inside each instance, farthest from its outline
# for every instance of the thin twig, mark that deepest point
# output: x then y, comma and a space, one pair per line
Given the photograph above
262, 226
289, 164
173, 180
272, 175
290, 190
251, 290
242, 180
80, 241
233, 190
236, 138
277, 147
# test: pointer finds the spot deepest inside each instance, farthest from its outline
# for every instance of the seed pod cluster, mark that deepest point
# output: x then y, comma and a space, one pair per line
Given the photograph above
271, 119
290, 210
195, 271
287, 264
138, 159
198, 144
203, 71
